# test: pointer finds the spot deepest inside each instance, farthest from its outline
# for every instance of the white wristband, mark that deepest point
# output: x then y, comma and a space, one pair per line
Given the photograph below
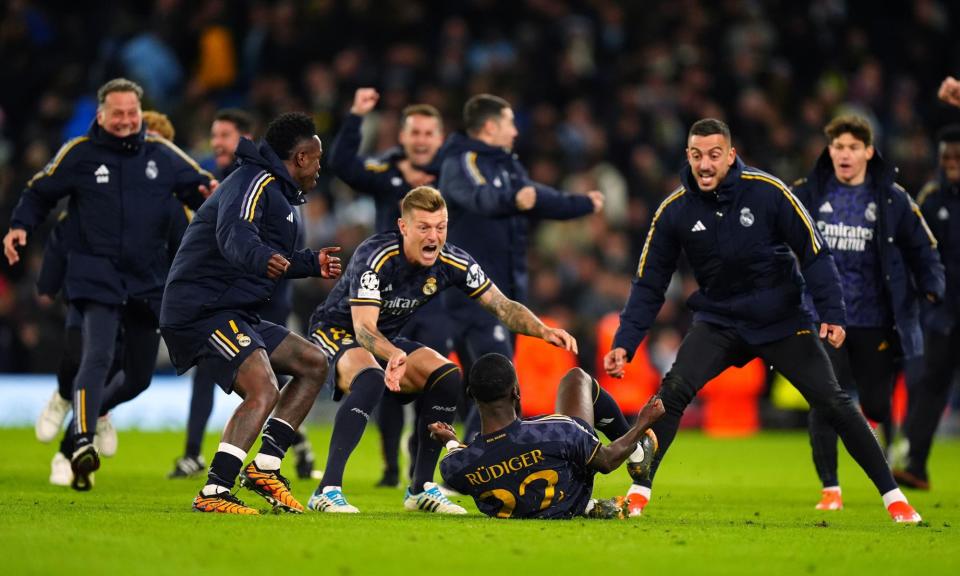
452, 445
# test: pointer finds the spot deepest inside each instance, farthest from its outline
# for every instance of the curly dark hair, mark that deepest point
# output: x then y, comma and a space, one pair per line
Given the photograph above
288, 130
492, 377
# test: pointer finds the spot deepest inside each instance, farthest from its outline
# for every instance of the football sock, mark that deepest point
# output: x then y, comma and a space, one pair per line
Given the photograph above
641, 490
278, 435
607, 416
892, 496
390, 422
439, 405
351, 420
226, 464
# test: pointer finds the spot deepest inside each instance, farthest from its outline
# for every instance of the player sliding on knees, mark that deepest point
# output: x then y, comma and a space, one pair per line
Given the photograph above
390, 276
541, 467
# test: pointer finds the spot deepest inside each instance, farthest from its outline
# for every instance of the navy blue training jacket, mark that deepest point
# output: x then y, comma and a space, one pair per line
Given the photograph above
907, 247
119, 196
222, 261
940, 204
480, 183
743, 241
374, 175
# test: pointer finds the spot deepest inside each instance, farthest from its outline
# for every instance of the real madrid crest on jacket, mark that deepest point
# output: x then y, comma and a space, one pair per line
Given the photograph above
881, 219
380, 275
119, 188
744, 242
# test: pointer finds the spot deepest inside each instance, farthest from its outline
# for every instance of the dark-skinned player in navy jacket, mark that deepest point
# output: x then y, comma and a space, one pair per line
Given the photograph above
940, 204
240, 244
753, 249
389, 277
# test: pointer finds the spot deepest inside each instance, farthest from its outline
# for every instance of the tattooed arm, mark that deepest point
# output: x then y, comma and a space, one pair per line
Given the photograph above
369, 336
518, 318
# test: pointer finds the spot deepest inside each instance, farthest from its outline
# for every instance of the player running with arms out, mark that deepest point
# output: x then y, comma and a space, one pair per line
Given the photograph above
748, 239
540, 467
389, 277
240, 244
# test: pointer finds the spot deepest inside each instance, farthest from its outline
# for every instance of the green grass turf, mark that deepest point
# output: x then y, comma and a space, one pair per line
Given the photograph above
720, 507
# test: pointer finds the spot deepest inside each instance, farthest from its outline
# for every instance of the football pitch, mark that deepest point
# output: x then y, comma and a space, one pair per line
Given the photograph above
719, 507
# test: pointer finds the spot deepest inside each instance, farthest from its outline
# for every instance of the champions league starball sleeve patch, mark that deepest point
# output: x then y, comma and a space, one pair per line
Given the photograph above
369, 285
475, 276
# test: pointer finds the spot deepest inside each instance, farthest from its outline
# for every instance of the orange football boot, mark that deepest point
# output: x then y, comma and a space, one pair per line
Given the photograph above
270, 484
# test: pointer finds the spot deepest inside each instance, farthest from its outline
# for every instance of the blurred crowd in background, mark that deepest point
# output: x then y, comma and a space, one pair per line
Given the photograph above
603, 91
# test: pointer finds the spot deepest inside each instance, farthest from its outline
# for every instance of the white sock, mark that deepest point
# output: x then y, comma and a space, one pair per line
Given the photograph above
267, 462
832, 489
235, 451
892, 496
213, 489
641, 490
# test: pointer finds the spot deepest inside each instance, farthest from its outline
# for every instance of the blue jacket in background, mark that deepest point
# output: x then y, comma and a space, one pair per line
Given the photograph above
377, 176
120, 194
222, 261
909, 263
940, 204
480, 183
744, 242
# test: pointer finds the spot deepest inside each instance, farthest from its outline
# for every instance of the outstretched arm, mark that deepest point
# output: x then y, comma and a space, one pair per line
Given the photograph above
519, 319
369, 336
608, 458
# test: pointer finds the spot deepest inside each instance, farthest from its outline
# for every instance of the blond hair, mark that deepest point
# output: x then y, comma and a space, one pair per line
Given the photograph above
159, 123
422, 198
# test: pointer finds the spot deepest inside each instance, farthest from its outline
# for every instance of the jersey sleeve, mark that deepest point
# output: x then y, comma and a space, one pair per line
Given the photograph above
366, 272
464, 272
581, 442
451, 470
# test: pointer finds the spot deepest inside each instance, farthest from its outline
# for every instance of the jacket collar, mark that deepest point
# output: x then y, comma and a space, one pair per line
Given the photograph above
129, 145
459, 142
724, 190
264, 157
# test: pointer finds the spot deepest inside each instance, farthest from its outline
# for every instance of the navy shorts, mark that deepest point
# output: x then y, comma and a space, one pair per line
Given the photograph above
334, 341
220, 343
